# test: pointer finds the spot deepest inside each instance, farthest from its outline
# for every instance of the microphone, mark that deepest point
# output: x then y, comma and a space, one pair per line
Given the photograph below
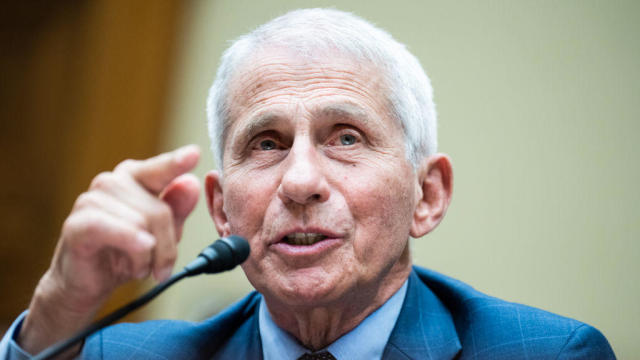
222, 255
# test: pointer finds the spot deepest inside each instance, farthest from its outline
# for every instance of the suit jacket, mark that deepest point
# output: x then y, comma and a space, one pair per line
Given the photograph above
441, 318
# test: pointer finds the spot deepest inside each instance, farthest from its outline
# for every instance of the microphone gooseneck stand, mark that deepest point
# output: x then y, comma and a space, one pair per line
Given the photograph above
222, 255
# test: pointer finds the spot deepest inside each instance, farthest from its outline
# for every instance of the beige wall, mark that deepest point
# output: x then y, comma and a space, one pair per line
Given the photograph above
538, 108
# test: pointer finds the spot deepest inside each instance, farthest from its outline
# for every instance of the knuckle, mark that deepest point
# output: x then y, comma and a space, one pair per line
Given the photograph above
80, 230
83, 201
144, 250
90, 224
161, 213
103, 180
145, 243
71, 224
138, 221
126, 165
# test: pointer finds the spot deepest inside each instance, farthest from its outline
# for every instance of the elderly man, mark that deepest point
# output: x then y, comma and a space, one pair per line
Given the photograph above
325, 133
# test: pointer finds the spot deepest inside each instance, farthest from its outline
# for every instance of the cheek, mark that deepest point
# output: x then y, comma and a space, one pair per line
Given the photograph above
245, 212
389, 193
383, 211
245, 205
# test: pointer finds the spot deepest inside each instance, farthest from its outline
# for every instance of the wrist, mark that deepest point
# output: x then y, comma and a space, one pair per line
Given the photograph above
53, 316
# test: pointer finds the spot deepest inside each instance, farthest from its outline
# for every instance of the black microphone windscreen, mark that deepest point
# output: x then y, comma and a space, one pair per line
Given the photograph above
222, 255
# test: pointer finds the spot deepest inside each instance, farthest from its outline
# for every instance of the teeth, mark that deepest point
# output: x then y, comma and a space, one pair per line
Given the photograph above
304, 238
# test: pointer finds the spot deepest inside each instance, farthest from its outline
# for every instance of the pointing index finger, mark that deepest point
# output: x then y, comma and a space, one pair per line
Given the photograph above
157, 172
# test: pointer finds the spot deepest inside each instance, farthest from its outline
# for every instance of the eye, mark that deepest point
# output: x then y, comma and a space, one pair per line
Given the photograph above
267, 145
347, 139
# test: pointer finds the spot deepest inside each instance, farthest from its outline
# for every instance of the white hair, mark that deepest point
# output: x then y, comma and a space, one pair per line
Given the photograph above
312, 31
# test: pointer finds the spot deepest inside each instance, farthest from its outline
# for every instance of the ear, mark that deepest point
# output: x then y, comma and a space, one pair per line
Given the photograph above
215, 202
435, 184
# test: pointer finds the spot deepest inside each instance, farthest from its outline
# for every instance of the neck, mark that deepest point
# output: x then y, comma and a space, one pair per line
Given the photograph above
316, 327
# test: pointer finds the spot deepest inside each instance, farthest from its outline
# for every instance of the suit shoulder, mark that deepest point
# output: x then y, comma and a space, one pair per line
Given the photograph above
162, 339
493, 326
489, 327
586, 342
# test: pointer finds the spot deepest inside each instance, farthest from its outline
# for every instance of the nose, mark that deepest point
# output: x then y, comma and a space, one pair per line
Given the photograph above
303, 181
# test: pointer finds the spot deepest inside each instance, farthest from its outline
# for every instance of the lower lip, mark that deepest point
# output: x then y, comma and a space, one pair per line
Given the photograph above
306, 250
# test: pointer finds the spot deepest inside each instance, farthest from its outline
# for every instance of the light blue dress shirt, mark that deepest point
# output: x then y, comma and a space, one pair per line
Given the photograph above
366, 341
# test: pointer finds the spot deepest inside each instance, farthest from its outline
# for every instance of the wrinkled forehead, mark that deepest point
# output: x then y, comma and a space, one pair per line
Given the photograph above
266, 71
275, 67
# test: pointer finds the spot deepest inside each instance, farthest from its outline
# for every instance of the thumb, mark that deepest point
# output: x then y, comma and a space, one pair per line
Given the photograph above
182, 196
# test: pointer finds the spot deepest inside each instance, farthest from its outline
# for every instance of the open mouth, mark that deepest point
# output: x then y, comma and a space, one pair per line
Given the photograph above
303, 238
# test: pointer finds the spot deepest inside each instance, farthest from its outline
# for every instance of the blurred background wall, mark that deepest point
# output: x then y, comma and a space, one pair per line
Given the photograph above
83, 85
538, 108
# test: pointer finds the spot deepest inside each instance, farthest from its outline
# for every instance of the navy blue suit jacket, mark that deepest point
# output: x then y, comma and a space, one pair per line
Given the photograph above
441, 318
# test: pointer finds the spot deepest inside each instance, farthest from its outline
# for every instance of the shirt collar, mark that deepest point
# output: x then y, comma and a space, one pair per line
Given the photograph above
365, 341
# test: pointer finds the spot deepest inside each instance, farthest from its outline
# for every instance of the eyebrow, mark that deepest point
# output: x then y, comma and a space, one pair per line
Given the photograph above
345, 110
257, 124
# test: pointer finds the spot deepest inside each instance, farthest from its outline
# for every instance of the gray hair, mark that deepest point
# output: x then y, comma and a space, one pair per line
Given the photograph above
309, 31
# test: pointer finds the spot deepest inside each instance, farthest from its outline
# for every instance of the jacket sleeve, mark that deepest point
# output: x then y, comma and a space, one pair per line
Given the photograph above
586, 342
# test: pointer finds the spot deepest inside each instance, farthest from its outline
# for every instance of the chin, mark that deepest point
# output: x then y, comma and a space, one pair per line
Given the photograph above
307, 298
300, 291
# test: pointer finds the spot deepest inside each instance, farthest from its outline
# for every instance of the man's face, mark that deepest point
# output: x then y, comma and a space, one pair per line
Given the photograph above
316, 178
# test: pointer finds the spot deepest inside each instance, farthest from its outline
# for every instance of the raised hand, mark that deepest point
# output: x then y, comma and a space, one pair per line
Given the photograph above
125, 226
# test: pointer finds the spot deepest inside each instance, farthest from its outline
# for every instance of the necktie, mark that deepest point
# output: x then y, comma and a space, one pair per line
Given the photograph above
324, 355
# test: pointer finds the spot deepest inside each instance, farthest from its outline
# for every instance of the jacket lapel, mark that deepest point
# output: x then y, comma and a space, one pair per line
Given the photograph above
425, 328
245, 343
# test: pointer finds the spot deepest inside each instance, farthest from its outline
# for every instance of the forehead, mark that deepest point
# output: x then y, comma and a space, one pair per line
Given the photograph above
277, 79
